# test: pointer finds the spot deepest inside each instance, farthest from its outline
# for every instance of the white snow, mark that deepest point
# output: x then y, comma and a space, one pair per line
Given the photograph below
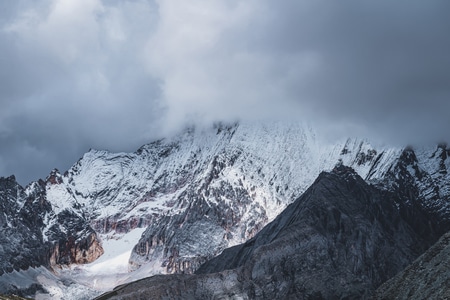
83, 281
57, 289
111, 268
49, 221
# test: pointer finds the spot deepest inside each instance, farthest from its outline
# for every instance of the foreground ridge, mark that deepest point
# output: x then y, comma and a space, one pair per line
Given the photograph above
427, 278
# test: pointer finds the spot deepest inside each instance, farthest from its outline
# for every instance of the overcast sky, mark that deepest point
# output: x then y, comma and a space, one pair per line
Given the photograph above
115, 74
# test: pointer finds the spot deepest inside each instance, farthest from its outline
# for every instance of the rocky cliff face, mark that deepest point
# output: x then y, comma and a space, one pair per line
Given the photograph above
248, 175
420, 177
204, 190
341, 239
417, 176
20, 241
198, 192
33, 234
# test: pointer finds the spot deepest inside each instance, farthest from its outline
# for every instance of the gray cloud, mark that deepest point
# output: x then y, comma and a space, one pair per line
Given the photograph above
116, 74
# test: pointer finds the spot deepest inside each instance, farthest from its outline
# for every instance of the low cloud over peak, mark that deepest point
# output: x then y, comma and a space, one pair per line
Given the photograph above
116, 74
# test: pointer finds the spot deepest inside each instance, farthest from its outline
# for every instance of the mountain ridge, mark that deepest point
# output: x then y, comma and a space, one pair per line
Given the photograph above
220, 185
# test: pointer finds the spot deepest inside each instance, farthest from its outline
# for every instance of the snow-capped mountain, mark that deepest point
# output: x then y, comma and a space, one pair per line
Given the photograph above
195, 194
340, 240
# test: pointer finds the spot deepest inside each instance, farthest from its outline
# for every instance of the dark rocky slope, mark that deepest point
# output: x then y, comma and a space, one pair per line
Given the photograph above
12, 297
427, 278
341, 239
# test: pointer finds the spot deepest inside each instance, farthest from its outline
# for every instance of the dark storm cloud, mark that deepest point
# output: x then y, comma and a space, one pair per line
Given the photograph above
377, 68
115, 74
384, 65
380, 66
73, 78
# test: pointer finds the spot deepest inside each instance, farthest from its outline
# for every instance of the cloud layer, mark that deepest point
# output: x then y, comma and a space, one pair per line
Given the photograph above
116, 74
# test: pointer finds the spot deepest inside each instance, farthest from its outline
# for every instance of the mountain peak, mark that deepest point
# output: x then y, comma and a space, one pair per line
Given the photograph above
54, 177
10, 178
343, 170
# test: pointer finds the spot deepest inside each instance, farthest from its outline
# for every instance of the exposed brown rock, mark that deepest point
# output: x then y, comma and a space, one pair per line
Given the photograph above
82, 251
